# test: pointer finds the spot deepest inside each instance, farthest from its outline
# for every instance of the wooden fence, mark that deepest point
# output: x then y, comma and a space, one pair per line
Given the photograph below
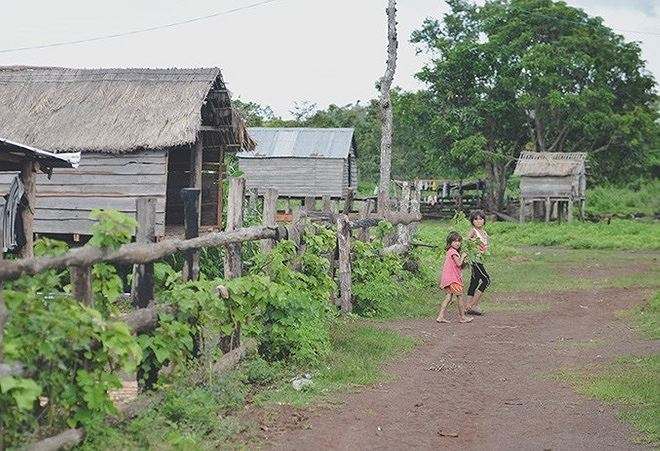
146, 250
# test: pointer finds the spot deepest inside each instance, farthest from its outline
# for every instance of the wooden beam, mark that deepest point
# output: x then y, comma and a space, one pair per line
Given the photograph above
269, 215
134, 252
142, 287
191, 197
344, 270
29, 178
81, 282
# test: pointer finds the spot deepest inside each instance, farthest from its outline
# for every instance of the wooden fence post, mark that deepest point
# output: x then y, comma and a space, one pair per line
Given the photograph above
142, 287
81, 282
415, 208
191, 200
327, 204
269, 216
310, 204
28, 177
348, 202
252, 199
344, 270
521, 212
232, 260
364, 214
404, 207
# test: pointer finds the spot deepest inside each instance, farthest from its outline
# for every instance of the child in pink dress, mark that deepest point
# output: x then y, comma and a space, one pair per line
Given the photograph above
452, 279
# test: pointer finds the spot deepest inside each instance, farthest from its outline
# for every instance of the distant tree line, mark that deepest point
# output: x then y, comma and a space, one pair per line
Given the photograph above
508, 76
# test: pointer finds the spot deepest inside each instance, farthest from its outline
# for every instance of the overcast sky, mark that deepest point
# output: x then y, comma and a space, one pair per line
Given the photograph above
323, 51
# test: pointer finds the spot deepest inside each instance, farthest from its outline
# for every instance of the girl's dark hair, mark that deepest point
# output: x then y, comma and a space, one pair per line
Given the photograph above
474, 214
453, 236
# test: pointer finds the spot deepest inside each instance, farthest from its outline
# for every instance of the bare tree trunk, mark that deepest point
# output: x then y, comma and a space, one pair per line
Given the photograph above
496, 177
386, 110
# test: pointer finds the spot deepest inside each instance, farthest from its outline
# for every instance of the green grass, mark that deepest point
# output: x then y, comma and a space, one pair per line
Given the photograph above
647, 317
202, 416
642, 199
631, 384
359, 352
620, 234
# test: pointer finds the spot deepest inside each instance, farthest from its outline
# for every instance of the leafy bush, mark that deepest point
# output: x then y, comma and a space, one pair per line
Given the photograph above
293, 323
376, 279
640, 198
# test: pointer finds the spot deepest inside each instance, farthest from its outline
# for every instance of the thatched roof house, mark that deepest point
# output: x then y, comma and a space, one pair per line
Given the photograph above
552, 177
301, 162
142, 132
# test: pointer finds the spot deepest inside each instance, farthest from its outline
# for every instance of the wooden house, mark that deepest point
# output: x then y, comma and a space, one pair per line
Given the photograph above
300, 162
142, 133
557, 180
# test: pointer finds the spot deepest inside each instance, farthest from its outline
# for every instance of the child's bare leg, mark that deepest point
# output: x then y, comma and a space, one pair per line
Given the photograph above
475, 301
441, 316
468, 302
461, 311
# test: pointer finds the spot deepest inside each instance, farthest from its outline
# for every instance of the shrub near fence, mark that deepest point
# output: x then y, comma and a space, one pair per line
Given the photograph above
65, 356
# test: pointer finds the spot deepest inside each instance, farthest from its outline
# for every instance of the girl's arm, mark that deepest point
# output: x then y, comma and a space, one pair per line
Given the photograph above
459, 259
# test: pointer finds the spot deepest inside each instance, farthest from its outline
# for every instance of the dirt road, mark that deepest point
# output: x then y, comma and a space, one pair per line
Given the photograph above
487, 385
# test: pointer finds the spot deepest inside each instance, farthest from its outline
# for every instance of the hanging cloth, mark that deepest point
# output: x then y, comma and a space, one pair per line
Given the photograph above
12, 219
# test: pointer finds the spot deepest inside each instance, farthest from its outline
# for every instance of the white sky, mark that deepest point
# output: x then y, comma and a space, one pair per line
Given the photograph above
323, 51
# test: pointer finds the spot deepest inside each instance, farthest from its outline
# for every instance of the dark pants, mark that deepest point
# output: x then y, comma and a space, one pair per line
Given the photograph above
479, 280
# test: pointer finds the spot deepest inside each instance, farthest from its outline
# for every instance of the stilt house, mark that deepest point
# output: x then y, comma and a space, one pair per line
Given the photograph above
556, 180
300, 162
142, 133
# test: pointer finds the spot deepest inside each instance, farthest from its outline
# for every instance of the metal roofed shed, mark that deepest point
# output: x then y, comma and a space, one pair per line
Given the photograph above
300, 162
555, 179
142, 133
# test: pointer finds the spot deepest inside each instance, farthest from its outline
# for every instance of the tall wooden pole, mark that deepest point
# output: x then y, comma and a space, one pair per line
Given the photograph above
142, 288
386, 110
28, 177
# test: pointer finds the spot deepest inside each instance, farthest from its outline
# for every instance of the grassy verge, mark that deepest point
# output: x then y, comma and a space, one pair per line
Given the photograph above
207, 416
646, 317
359, 352
620, 234
630, 384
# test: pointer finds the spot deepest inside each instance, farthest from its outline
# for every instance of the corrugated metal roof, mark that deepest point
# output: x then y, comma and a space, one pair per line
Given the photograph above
300, 142
9, 149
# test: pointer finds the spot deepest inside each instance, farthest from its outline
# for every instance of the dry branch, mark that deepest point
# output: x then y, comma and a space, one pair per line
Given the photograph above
66, 439
144, 319
134, 253
11, 369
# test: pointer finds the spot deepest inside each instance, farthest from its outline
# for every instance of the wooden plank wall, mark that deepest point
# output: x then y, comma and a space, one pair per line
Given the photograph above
546, 186
296, 176
102, 181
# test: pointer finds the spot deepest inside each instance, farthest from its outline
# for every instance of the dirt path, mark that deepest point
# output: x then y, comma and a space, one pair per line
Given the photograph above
484, 381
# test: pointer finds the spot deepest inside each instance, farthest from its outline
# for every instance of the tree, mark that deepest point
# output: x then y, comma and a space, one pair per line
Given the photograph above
252, 113
541, 74
384, 86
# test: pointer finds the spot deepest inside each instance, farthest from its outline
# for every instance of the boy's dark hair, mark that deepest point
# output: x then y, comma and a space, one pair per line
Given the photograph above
474, 214
453, 236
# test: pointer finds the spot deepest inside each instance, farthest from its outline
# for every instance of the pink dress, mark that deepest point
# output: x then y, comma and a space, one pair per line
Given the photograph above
451, 272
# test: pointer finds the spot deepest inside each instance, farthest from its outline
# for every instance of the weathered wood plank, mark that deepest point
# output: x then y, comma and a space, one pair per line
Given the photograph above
142, 286
269, 216
344, 270
81, 282
190, 198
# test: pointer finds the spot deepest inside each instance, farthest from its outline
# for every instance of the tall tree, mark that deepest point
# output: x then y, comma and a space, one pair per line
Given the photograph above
386, 110
543, 75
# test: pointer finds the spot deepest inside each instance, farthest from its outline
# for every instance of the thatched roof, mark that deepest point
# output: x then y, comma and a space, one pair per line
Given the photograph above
115, 110
552, 164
